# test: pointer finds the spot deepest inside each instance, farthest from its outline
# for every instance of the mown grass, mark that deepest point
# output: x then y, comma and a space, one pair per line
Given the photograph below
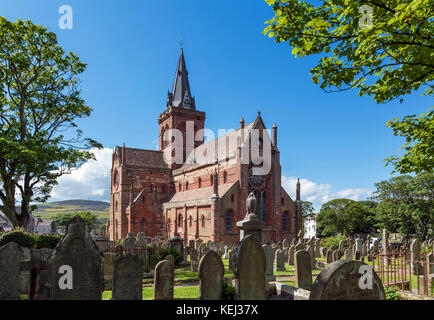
179, 293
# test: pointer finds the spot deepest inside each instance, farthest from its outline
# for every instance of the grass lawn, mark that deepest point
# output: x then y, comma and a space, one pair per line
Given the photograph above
181, 293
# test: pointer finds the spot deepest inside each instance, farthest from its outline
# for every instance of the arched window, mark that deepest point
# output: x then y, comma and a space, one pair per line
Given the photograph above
282, 202
179, 186
180, 221
190, 221
211, 178
232, 198
203, 221
261, 203
199, 182
186, 185
143, 199
285, 221
142, 225
169, 226
228, 221
225, 177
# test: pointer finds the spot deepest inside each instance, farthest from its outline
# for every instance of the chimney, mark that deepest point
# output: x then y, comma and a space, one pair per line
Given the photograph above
275, 135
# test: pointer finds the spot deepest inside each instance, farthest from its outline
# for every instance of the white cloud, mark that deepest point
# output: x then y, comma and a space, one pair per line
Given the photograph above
319, 193
89, 182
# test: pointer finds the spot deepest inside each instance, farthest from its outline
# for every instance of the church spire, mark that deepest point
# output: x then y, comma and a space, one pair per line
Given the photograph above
181, 93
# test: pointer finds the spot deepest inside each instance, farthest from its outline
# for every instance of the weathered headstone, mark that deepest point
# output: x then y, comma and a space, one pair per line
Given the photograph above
197, 243
127, 278
375, 246
194, 259
279, 260
130, 244
250, 266
348, 254
109, 260
211, 272
347, 280
329, 256
430, 262
268, 251
416, 266
303, 269
231, 260
311, 251
11, 256
163, 281
170, 258
317, 248
77, 265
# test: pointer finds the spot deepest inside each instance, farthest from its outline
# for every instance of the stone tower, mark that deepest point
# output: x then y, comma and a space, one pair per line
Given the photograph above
180, 114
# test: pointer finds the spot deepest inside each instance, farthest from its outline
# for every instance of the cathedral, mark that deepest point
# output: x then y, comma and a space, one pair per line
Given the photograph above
203, 194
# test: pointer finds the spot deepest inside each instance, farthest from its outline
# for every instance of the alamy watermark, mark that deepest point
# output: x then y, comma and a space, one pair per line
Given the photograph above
365, 21
66, 21
365, 281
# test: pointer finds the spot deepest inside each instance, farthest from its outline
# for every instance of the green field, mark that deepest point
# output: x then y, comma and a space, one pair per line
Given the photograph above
50, 210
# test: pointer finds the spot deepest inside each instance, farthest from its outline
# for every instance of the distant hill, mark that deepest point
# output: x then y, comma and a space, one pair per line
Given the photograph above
50, 209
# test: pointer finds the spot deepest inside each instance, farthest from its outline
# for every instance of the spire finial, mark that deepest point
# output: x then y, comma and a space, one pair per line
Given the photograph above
181, 43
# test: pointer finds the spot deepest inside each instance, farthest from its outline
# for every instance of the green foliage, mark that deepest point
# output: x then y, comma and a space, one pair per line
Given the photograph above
228, 291
333, 241
40, 103
307, 208
386, 53
419, 143
391, 293
347, 217
406, 205
46, 240
19, 237
64, 218
172, 251
387, 58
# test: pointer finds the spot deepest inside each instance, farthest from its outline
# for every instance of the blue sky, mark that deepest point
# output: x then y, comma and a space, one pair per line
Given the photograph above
335, 142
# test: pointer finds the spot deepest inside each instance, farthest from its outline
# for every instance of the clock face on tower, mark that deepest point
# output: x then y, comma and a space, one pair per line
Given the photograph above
256, 181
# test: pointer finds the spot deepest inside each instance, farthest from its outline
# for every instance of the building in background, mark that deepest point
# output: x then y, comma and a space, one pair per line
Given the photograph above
310, 226
198, 199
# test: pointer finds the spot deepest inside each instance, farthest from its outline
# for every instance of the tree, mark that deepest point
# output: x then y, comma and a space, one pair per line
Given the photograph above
307, 209
347, 217
406, 205
383, 48
419, 146
39, 104
90, 219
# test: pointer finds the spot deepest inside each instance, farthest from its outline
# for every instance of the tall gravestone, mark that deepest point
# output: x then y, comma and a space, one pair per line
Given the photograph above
11, 256
109, 261
211, 273
268, 251
194, 259
311, 251
163, 281
250, 266
279, 260
130, 244
127, 278
416, 266
251, 225
347, 280
77, 265
317, 248
348, 254
291, 252
303, 269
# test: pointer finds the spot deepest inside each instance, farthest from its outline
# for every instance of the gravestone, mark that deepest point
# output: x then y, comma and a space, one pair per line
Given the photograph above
208, 244
170, 258
347, 280
194, 260
416, 266
178, 244
130, 244
336, 255
291, 252
279, 260
39, 282
76, 265
163, 281
285, 243
375, 246
323, 252
317, 248
197, 243
250, 266
251, 225
102, 242
202, 250
269, 257
341, 246
191, 243
213, 246
231, 260
311, 251
348, 254
226, 254
109, 260
359, 244
430, 263
211, 272
11, 255
127, 278
303, 269
329, 256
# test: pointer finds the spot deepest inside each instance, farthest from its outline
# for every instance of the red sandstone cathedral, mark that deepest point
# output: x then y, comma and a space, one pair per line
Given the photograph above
195, 199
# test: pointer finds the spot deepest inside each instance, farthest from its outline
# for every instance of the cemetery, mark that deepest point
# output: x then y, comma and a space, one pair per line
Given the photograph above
144, 268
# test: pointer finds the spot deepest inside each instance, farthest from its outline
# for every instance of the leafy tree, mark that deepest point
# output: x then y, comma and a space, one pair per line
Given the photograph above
307, 209
406, 205
39, 104
383, 48
64, 218
419, 146
347, 217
